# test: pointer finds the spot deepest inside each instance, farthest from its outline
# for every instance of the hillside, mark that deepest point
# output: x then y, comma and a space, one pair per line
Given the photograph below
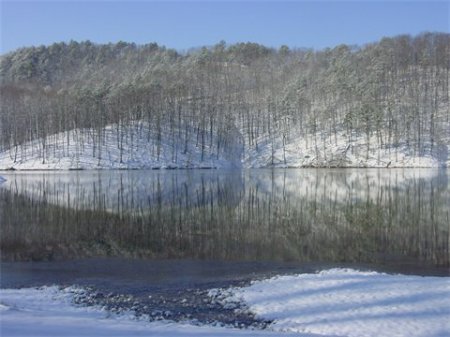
82, 105
79, 149
132, 146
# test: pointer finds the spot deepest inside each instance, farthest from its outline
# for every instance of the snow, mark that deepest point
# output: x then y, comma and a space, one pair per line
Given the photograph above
345, 302
2, 180
324, 150
49, 312
83, 149
335, 302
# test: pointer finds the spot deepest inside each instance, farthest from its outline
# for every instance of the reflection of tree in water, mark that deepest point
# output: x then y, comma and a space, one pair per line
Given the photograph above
296, 215
128, 191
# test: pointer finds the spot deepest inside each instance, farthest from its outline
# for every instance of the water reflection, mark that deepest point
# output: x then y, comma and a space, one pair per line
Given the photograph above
379, 216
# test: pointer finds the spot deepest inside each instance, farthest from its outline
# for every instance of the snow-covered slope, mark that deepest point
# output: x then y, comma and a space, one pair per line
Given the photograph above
337, 151
135, 148
138, 148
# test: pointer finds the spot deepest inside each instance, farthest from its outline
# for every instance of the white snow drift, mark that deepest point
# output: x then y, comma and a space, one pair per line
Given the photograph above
343, 302
336, 302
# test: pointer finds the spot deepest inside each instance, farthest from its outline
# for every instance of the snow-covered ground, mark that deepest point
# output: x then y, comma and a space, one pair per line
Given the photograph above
345, 302
2, 180
337, 151
137, 148
336, 302
49, 312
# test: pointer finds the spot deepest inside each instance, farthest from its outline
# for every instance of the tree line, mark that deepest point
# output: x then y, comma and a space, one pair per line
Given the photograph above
224, 98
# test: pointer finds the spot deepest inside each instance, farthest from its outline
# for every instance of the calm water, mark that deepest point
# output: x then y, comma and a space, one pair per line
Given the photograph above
396, 216
156, 241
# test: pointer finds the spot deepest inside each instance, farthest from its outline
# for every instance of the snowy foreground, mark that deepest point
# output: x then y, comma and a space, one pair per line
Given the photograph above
343, 302
336, 302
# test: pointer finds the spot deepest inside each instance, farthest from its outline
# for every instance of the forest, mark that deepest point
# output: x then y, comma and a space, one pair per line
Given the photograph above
245, 103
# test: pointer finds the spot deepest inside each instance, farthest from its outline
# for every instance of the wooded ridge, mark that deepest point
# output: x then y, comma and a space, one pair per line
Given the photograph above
126, 105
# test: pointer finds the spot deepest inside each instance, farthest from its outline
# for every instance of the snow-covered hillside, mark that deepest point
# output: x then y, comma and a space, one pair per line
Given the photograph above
337, 151
137, 148
113, 148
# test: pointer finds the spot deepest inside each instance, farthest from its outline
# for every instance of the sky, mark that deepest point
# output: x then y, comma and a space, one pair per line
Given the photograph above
186, 24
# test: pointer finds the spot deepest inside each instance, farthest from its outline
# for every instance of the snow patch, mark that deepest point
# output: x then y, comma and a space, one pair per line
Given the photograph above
345, 302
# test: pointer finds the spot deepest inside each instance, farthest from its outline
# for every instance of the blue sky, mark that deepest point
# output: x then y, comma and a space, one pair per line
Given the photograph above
186, 24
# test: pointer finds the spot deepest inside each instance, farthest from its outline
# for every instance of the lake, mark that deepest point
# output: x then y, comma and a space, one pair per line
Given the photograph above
177, 233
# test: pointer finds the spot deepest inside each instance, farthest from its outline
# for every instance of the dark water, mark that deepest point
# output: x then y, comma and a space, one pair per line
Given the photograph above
172, 235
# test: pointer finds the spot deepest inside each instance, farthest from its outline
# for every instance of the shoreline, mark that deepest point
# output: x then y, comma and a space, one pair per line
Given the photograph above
327, 302
9, 170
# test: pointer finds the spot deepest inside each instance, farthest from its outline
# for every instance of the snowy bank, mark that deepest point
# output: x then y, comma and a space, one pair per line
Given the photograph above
336, 302
2, 180
343, 302
49, 311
